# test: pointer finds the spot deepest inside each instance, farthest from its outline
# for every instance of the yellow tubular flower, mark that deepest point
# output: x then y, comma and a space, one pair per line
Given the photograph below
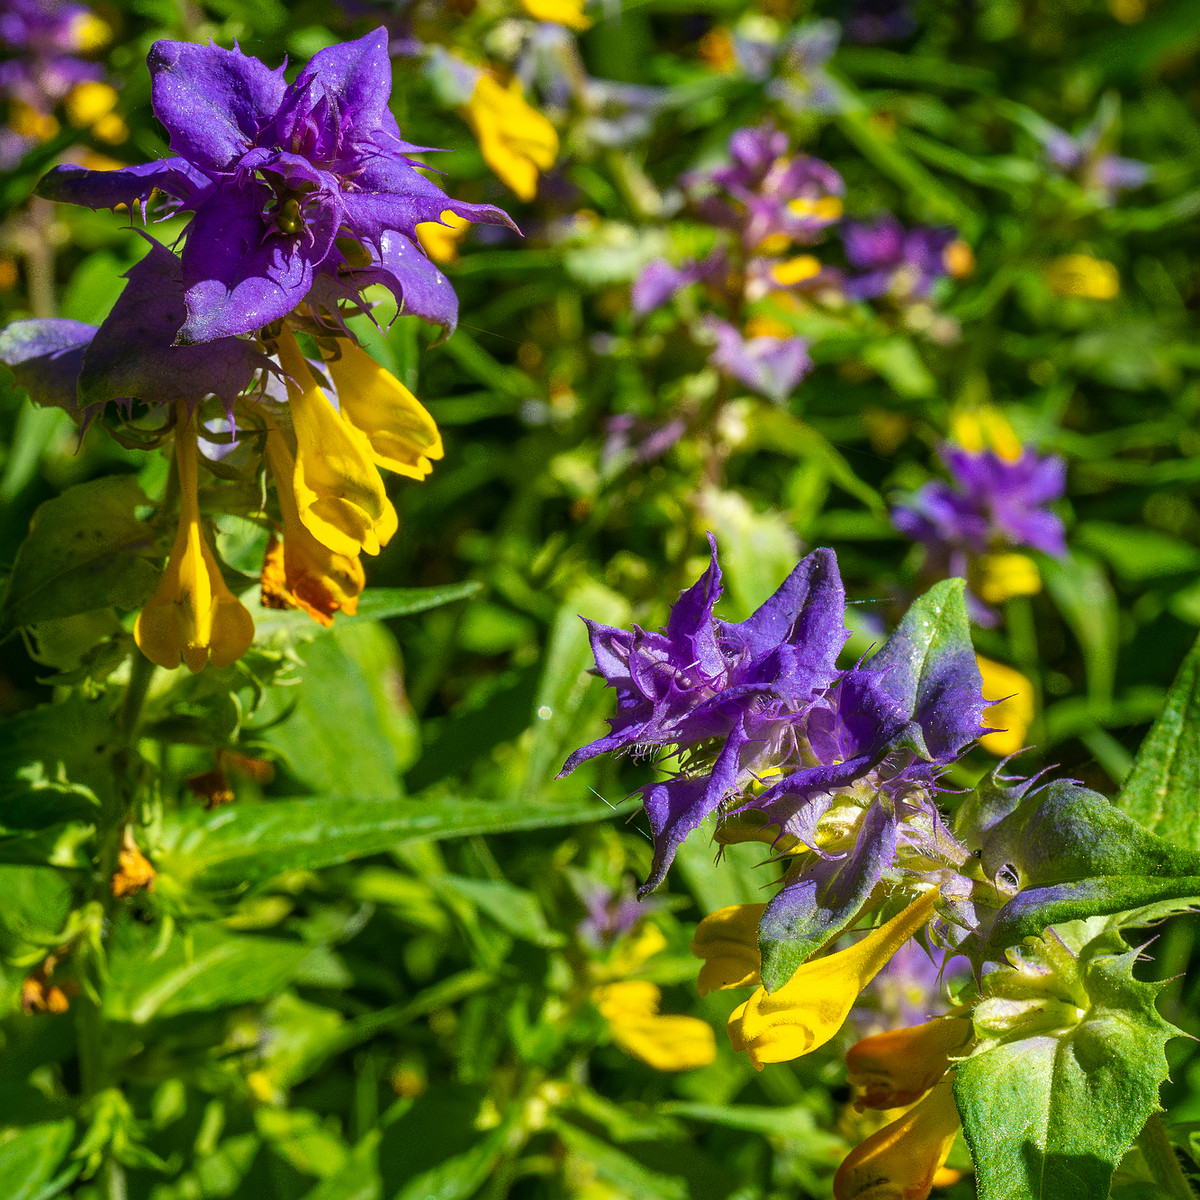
666, 1043
439, 239
812, 1006
893, 1069
303, 573
517, 142
986, 428
999, 577
339, 493
193, 615
402, 434
795, 270
727, 940
87, 102
562, 12
1084, 276
900, 1161
1013, 710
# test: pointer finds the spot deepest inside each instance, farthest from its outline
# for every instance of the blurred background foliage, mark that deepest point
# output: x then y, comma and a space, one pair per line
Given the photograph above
374, 975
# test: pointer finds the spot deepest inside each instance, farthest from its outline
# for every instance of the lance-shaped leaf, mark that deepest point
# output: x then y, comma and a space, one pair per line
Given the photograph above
1051, 1104
86, 549
1163, 788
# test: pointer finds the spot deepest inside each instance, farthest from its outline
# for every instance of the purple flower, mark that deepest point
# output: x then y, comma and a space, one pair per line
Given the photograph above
802, 83
1083, 156
646, 440
659, 281
893, 259
873, 22
44, 37
993, 503
771, 366
293, 186
842, 764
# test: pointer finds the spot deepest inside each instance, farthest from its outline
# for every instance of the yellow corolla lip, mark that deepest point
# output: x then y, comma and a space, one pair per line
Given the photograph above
995, 578
1011, 707
339, 494
894, 1068
192, 615
813, 1005
439, 239
899, 1162
665, 1042
986, 428
727, 940
516, 141
301, 572
562, 12
402, 435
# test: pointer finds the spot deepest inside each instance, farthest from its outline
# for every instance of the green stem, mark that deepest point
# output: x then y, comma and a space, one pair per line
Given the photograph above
1160, 1157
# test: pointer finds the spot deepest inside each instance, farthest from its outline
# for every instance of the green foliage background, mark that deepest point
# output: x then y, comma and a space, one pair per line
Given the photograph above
366, 979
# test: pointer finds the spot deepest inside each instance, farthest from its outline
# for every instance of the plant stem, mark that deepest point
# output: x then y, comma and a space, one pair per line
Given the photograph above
1160, 1157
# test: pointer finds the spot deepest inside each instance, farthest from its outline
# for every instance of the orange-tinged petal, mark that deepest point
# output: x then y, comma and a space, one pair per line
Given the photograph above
301, 572
727, 940
667, 1043
893, 1069
339, 494
900, 1161
813, 1005
403, 436
192, 615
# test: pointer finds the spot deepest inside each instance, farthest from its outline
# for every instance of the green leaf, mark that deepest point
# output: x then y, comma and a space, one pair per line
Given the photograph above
1085, 598
209, 968
1049, 1117
86, 549
357, 1178
375, 604
1162, 788
233, 847
29, 1156
512, 908
932, 642
620, 1171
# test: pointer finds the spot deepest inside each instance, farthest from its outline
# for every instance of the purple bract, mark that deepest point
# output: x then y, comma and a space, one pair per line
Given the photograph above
293, 186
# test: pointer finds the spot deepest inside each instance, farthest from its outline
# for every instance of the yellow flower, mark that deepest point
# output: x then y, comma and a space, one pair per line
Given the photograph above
87, 102
795, 270
1011, 712
900, 1161
193, 615
985, 428
958, 259
339, 493
716, 50
89, 33
301, 572
517, 141
667, 1043
999, 577
26, 121
727, 940
564, 12
893, 1069
1082, 275
402, 435
812, 1006
439, 239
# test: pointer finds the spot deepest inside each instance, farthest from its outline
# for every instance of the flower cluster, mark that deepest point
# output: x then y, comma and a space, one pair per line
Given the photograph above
42, 67
302, 194
836, 768
974, 526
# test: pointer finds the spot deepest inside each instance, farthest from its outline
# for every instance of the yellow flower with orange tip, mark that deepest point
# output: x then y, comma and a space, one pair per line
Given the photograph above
894, 1068
813, 1005
995, 578
562, 12
301, 572
339, 494
193, 615
402, 435
1011, 710
439, 239
727, 940
667, 1043
900, 1161
517, 142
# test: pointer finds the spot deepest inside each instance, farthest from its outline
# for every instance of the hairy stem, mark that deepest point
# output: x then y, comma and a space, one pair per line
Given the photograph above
1160, 1157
